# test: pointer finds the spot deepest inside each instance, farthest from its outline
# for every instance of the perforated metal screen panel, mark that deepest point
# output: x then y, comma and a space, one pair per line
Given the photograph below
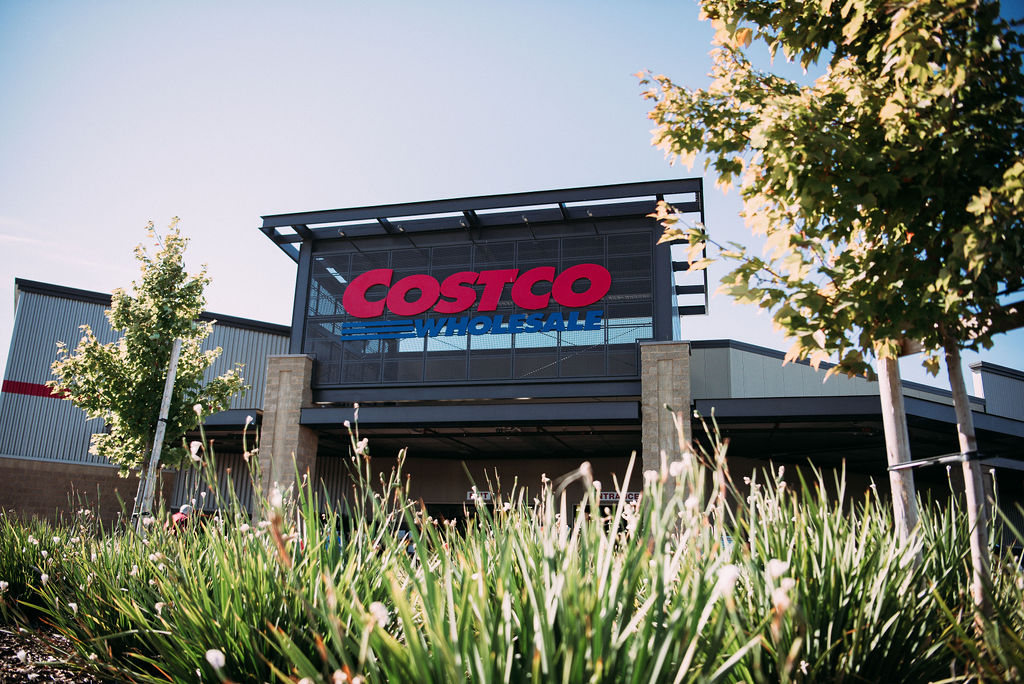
437, 351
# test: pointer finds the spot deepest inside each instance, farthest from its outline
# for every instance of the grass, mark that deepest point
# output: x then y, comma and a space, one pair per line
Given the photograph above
701, 580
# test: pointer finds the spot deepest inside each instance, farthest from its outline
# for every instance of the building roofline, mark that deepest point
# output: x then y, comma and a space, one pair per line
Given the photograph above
776, 354
91, 297
986, 367
568, 204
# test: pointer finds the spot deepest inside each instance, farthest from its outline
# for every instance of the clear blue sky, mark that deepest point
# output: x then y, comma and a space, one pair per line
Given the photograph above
115, 113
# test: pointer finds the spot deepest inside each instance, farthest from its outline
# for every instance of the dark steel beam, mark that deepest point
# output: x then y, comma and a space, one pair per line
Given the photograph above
511, 200
480, 414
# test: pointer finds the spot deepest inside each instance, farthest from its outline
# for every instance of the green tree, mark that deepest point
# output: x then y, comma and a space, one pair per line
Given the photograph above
888, 190
122, 382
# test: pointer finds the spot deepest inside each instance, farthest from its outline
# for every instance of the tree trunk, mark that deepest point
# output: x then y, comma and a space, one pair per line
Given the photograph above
974, 484
897, 446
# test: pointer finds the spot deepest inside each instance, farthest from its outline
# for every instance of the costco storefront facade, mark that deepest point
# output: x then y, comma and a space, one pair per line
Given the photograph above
508, 332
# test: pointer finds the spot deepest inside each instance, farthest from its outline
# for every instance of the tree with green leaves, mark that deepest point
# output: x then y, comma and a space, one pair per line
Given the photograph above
122, 382
888, 189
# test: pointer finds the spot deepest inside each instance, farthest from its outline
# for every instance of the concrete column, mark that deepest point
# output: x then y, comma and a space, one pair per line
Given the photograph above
285, 445
664, 380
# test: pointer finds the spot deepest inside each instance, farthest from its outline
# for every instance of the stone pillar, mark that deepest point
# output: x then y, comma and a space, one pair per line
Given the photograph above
285, 445
664, 380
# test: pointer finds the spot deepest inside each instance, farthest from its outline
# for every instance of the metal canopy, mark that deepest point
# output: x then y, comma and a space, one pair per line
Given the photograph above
468, 213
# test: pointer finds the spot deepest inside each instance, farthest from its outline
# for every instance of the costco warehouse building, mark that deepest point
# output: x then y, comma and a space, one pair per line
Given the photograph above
511, 334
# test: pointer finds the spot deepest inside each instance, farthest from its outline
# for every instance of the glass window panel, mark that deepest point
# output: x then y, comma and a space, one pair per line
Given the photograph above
443, 343
537, 339
490, 366
582, 338
629, 243
445, 368
410, 259
490, 342
540, 250
365, 261
583, 247
459, 256
582, 364
622, 362
536, 365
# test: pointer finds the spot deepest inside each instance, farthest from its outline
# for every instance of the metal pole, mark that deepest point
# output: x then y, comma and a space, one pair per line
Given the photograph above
897, 446
974, 485
158, 439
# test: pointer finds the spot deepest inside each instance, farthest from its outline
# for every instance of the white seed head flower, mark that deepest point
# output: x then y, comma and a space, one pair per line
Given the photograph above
586, 471
305, 680
691, 503
74, 607
776, 568
22, 655
597, 485
248, 420
160, 605
44, 578
44, 553
276, 499
379, 613
56, 540
198, 408
93, 656
361, 445
3, 587
194, 447
244, 527
675, 468
781, 600
216, 658
347, 424
650, 476
727, 577
134, 571
787, 583
339, 677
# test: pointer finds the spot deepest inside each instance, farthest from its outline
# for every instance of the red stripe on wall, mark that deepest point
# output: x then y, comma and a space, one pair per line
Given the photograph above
31, 389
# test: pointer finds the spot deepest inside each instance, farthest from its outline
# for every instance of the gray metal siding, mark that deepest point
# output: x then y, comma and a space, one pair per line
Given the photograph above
1003, 389
232, 472
48, 428
250, 348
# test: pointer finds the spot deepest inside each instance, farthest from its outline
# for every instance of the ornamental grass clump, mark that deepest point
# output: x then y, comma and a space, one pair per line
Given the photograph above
700, 580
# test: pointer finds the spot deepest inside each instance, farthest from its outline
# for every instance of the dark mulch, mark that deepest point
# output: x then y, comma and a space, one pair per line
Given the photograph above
42, 653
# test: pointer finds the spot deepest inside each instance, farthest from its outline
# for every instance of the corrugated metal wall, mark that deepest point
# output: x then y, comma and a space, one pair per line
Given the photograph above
232, 473
48, 428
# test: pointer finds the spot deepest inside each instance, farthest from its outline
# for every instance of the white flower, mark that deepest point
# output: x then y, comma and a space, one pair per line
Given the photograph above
194, 447
305, 680
727, 577
347, 424
339, 677
597, 485
216, 658
147, 520
803, 666
22, 655
244, 527
198, 408
675, 468
154, 557
160, 605
650, 476
361, 445
56, 540
44, 553
691, 503
3, 587
586, 471
276, 500
92, 656
776, 568
75, 540
787, 583
44, 578
780, 599
379, 613
248, 419
134, 570
73, 607
33, 540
